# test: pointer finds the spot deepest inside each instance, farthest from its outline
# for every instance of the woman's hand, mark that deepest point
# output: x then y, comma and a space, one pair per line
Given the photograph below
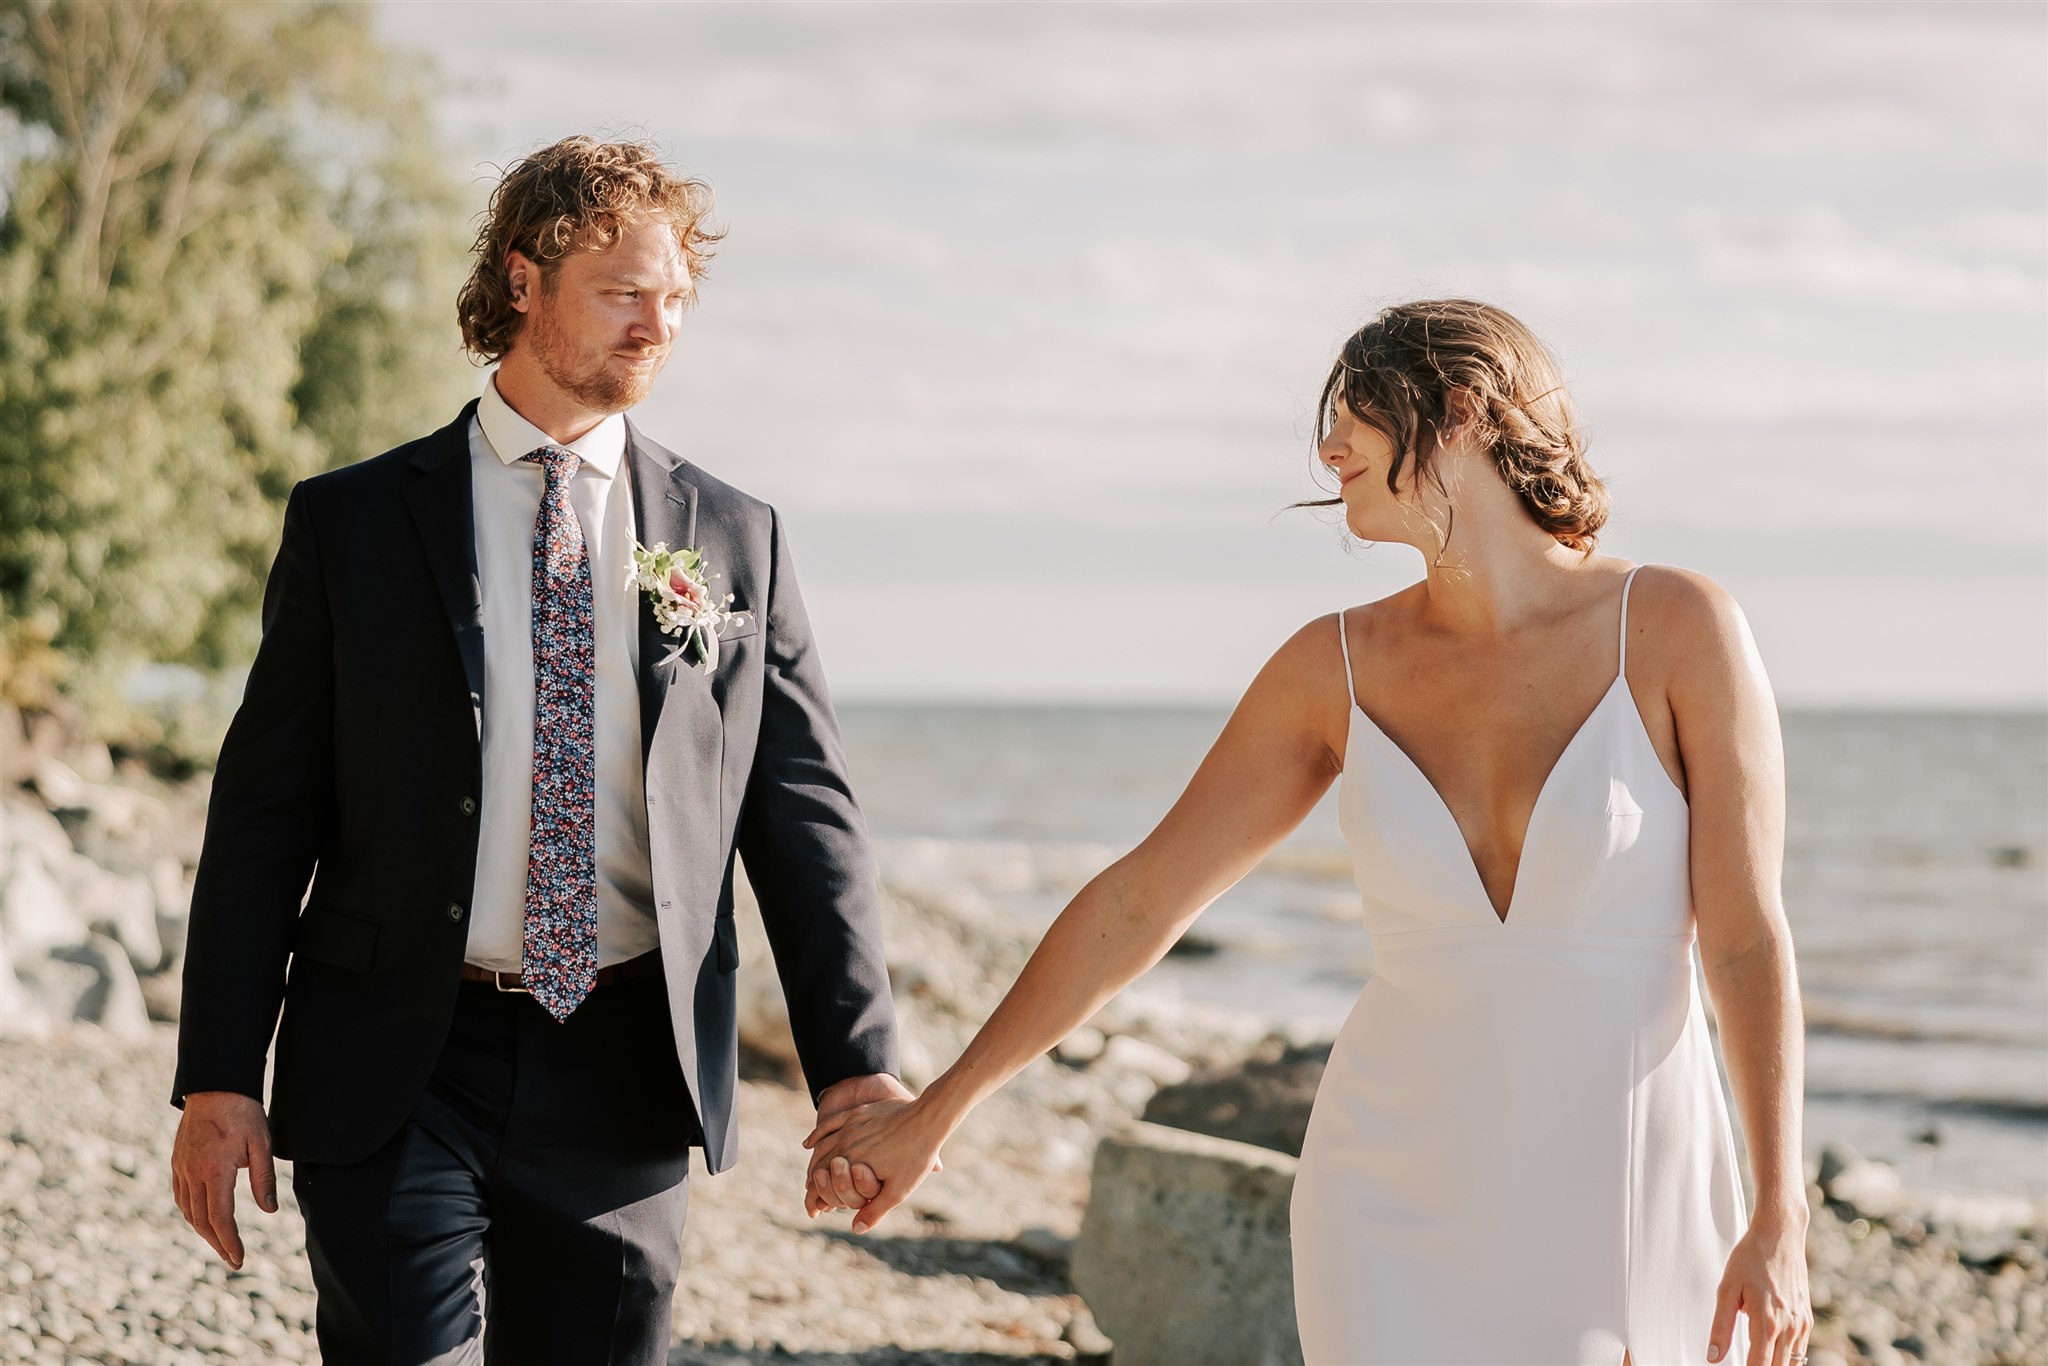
894, 1138
1766, 1280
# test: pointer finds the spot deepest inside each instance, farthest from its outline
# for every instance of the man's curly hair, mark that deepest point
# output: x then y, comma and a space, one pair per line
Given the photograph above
576, 195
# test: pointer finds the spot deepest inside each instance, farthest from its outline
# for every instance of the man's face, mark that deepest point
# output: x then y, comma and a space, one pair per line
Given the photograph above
601, 328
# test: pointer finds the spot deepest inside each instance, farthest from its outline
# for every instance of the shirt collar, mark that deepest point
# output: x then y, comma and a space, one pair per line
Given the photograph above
512, 437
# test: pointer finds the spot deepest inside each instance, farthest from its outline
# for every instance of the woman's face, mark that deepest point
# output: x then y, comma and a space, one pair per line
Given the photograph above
1359, 454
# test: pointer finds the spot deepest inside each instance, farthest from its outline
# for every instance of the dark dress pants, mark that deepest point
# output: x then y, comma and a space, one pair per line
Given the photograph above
538, 1186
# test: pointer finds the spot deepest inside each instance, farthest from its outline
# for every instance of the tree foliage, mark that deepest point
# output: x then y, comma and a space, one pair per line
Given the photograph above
228, 259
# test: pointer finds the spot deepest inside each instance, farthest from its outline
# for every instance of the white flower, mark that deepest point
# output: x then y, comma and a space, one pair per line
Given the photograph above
679, 590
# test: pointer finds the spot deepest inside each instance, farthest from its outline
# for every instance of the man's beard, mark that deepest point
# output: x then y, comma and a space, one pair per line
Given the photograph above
599, 388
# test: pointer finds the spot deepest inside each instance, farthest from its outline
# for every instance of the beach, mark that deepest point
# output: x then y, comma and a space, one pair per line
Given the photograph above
99, 1267
1930, 1252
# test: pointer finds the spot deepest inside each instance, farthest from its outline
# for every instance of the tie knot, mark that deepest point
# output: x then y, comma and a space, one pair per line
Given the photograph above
558, 461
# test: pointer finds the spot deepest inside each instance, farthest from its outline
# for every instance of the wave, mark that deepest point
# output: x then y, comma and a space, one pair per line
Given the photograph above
1309, 862
1052, 865
2024, 1109
1825, 1019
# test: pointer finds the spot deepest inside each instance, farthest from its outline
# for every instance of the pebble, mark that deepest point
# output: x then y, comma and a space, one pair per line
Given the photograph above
1081, 1047
97, 1266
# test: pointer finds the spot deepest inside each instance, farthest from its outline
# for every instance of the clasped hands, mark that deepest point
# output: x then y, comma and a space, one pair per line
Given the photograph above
869, 1150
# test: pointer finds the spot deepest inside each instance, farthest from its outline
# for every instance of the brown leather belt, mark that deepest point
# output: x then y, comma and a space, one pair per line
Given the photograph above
646, 965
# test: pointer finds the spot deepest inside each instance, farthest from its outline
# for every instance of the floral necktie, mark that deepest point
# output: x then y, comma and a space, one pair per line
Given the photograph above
559, 959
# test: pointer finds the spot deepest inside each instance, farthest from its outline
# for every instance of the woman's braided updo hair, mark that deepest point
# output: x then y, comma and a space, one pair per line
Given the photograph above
1420, 370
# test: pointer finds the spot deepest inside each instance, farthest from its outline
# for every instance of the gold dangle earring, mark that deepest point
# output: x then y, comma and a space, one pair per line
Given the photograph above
1445, 545
1450, 520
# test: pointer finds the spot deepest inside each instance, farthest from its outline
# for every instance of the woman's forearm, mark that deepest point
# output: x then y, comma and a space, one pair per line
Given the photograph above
1274, 760
1105, 938
1756, 1004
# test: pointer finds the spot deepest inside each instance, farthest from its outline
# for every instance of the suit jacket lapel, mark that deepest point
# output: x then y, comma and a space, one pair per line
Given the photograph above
664, 509
439, 497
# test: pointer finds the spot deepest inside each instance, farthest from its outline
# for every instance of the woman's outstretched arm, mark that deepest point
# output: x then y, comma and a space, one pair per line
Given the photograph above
1728, 739
1274, 760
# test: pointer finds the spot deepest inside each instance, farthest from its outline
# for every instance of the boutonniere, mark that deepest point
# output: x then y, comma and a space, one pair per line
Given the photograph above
679, 590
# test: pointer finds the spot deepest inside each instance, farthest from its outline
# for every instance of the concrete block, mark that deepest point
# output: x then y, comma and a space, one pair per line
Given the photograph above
1183, 1255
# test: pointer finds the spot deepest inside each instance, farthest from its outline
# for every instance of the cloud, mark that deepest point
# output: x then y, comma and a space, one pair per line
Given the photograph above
1815, 250
1245, 79
1005, 282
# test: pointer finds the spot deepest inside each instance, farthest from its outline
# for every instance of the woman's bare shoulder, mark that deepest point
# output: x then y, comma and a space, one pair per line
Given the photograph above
1684, 623
1310, 659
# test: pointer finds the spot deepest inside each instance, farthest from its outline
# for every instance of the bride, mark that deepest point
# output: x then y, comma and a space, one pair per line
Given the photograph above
1560, 778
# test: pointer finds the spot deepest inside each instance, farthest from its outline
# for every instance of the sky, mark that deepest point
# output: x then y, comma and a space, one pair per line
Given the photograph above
1023, 309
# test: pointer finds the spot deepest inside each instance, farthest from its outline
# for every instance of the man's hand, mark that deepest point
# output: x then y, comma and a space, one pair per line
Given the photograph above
222, 1132
838, 1184
899, 1139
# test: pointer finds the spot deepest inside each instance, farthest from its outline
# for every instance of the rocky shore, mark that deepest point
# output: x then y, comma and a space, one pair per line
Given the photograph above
96, 1266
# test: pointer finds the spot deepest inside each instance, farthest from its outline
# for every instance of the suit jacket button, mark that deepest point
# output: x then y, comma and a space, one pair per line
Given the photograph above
469, 806
455, 910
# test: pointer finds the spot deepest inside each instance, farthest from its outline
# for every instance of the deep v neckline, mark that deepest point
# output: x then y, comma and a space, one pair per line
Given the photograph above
1500, 916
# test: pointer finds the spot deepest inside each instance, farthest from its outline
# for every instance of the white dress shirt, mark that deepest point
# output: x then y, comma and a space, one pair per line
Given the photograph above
507, 495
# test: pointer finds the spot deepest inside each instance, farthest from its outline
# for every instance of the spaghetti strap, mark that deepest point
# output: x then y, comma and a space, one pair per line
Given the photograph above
1621, 669
1344, 643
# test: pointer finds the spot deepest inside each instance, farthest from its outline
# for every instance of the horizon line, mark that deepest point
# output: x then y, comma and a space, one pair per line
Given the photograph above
993, 702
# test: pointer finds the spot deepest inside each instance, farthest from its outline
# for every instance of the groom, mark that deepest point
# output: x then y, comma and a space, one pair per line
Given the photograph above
507, 1004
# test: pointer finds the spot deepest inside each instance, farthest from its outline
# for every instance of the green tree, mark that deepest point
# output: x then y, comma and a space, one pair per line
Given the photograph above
228, 260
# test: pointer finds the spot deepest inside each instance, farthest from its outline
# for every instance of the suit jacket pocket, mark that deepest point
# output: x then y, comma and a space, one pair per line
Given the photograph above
727, 942
336, 938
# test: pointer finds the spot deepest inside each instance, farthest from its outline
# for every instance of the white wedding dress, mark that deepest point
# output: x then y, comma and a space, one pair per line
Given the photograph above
1519, 1151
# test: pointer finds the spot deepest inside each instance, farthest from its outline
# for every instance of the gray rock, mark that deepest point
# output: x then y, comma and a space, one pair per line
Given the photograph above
59, 785
1091, 1346
1081, 1047
17, 756
163, 994
30, 828
116, 825
1266, 1101
1833, 1160
1046, 1245
925, 978
121, 907
1184, 1256
172, 890
22, 1013
92, 761
35, 914
1872, 1189
56, 984
1148, 1060
113, 1000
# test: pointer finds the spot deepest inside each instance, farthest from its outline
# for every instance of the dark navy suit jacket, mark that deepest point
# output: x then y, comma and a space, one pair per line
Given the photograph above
354, 762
